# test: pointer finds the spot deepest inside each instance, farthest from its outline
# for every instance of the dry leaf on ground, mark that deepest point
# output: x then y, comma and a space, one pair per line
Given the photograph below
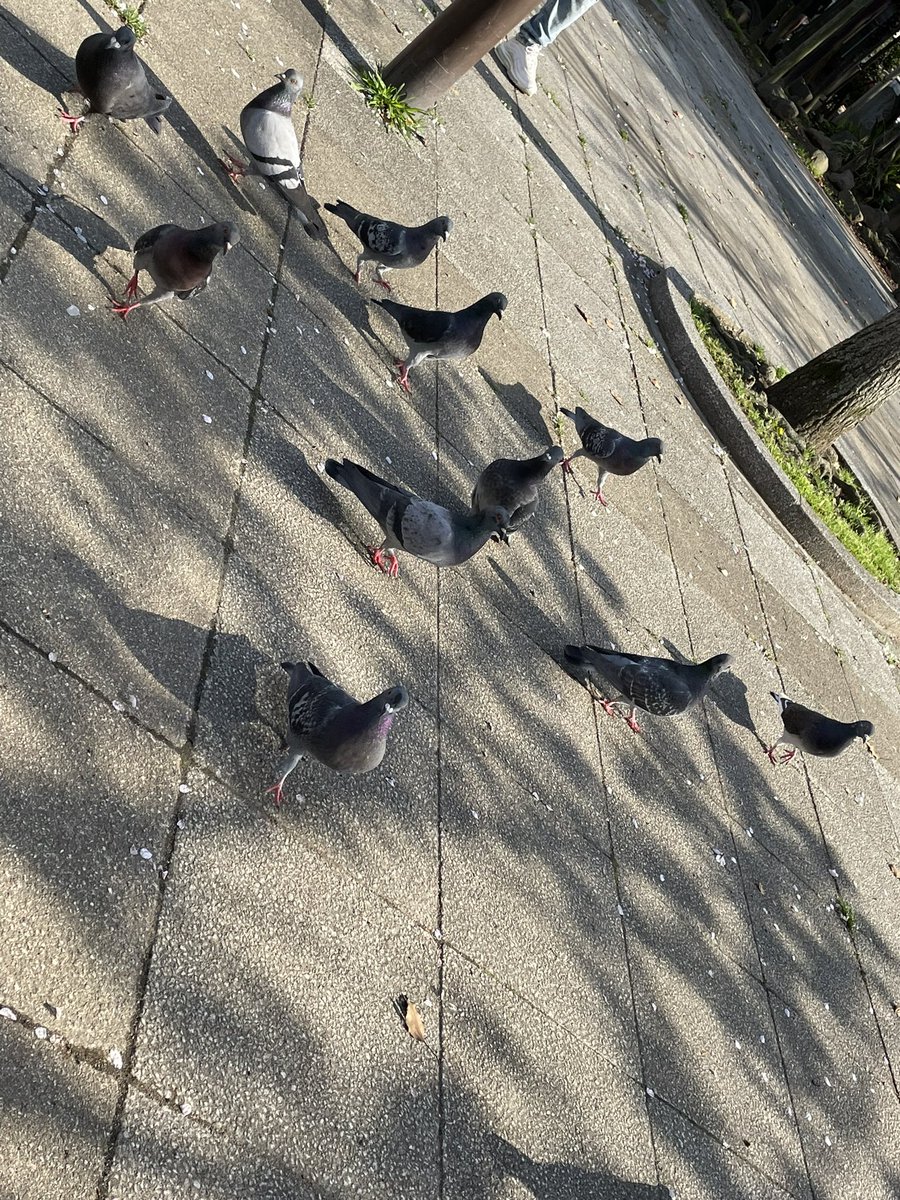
411, 1018
895, 870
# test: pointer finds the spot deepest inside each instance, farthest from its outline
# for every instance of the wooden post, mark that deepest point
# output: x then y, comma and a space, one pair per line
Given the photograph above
454, 41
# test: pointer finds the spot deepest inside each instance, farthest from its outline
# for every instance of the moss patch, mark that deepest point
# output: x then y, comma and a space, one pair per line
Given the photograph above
854, 524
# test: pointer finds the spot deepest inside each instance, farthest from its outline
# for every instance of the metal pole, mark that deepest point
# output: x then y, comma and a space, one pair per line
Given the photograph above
454, 41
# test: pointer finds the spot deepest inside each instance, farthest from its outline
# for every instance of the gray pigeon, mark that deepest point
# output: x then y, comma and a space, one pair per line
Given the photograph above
111, 78
512, 484
179, 261
810, 731
267, 127
660, 686
390, 246
431, 334
326, 723
613, 452
419, 527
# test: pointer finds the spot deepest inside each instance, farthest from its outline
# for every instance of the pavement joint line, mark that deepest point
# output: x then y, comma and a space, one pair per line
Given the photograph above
62, 410
123, 712
228, 547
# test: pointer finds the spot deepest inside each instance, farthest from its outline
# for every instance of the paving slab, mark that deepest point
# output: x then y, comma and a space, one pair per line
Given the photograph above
250, 1031
85, 790
55, 1120
514, 1101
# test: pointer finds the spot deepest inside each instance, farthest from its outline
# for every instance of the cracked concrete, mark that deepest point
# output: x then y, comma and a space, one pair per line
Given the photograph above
627, 951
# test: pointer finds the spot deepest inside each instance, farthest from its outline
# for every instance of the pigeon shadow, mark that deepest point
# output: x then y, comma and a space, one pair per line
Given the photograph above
554, 1180
521, 405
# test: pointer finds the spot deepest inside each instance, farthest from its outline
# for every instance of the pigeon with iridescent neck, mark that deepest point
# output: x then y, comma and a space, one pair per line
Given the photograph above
267, 127
612, 452
512, 484
327, 724
112, 79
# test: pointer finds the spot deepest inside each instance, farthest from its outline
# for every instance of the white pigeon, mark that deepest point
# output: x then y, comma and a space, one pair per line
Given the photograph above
268, 131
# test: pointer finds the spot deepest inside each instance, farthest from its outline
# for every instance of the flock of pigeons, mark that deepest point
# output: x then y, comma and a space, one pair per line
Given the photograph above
324, 721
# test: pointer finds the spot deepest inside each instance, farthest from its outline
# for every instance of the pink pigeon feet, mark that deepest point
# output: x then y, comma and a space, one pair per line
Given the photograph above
69, 119
598, 495
404, 375
388, 565
632, 723
235, 168
125, 308
567, 466
785, 758
277, 793
131, 288
384, 283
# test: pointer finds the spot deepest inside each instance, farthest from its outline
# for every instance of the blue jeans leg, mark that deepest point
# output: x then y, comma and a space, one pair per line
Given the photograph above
547, 24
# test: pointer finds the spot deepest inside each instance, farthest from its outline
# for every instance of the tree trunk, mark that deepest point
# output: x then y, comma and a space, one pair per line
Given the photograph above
835, 391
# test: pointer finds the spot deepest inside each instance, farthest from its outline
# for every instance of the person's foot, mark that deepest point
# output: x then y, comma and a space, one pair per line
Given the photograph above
519, 64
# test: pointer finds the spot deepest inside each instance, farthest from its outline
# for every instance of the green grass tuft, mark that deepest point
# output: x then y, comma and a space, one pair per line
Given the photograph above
130, 15
387, 100
846, 913
854, 525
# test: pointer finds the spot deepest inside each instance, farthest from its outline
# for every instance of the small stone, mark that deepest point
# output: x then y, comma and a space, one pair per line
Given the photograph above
146, 854
207, 418
183, 788
209, 375
7, 1014
114, 1058
41, 1033
73, 310
103, 200
51, 657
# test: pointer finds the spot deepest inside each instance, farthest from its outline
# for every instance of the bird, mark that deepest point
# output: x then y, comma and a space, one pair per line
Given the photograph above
436, 334
613, 452
112, 79
512, 484
267, 127
326, 723
420, 527
813, 733
390, 246
660, 686
178, 260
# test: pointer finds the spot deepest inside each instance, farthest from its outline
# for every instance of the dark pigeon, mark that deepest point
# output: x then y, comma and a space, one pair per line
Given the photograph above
113, 81
426, 530
660, 686
431, 334
326, 723
611, 451
179, 261
810, 731
512, 484
390, 246
267, 127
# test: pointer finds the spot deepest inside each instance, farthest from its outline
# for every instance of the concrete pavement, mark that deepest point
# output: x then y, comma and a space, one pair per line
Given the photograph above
626, 950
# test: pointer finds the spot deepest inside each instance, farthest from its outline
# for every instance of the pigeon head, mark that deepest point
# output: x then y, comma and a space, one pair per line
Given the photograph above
553, 455
122, 39
293, 82
495, 303
225, 235
716, 664
495, 519
653, 448
393, 699
442, 227
864, 729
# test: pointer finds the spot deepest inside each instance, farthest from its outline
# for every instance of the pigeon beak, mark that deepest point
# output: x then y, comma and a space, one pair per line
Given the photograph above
659, 459
228, 246
389, 708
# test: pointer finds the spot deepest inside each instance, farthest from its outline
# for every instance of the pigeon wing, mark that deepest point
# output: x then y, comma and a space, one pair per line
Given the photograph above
653, 686
271, 139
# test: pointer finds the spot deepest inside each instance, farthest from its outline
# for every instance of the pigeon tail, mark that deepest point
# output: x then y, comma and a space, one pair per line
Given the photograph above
575, 654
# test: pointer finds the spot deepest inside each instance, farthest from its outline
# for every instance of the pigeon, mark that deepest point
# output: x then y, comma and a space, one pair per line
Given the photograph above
419, 527
326, 723
442, 334
512, 484
390, 246
178, 260
810, 731
267, 128
112, 79
660, 686
613, 452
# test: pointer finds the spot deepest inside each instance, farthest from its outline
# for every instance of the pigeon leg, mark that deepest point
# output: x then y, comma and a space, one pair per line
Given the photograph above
598, 491
235, 168
155, 297
360, 259
631, 722
283, 771
380, 279
608, 706
69, 119
394, 568
404, 376
788, 755
567, 465
125, 307
387, 565
131, 289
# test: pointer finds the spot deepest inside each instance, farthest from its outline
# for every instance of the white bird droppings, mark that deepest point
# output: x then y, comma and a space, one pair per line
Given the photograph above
7, 1014
207, 418
115, 1059
209, 375
103, 200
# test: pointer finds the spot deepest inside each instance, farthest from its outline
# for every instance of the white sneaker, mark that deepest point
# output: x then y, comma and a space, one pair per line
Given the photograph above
519, 63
